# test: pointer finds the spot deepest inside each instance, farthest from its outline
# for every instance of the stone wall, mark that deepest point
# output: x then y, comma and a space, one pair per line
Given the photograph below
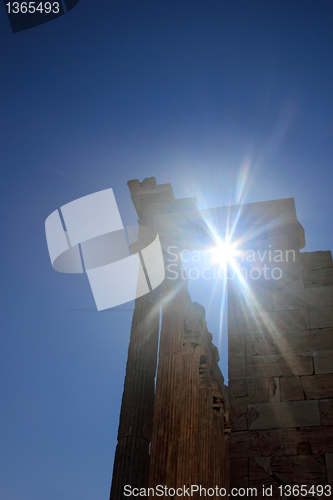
281, 376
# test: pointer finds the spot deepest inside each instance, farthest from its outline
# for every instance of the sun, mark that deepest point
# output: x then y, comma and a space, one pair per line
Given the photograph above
223, 253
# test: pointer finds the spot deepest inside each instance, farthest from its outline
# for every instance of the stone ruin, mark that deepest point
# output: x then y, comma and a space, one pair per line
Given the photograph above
273, 425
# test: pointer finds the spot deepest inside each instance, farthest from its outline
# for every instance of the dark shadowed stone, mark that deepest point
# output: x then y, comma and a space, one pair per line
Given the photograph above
321, 317
308, 440
283, 415
291, 389
237, 388
264, 443
326, 411
302, 469
323, 361
318, 386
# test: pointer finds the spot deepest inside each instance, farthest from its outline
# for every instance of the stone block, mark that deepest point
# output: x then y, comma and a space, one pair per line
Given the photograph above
308, 440
239, 472
286, 230
302, 469
237, 388
329, 466
323, 361
316, 260
261, 390
258, 213
276, 398
304, 340
277, 365
326, 411
313, 278
303, 298
281, 321
295, 319
238, 416
321, 317
261, 443
237, 368
260, 476
240, 423
260, 343
283, 415
236, 345
291, 389
318, 386
244, 324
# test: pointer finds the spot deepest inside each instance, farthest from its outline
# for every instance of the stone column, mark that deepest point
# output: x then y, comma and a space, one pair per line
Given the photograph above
187, 449
164, 449
131, 463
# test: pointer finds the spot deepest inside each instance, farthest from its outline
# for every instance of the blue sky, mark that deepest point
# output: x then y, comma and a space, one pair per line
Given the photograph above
228, 100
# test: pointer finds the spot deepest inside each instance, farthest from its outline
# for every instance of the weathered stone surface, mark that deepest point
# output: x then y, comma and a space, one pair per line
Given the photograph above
238, 415
236, 345
285, 231
303, 298
329, 465
308, 440
188, 445
291, 389
318, 277
323, 361
260, 475
305, 340
279, 321
260, 343
237, 368
186, 228
318, 386
238, 302
283, 415
321, 317
131, 463
295, 320
240, 424
237, 388
256, 443
277, 365
326, 411
302, 469
316, 260
239, 472
276, 398
244, 324
261, 390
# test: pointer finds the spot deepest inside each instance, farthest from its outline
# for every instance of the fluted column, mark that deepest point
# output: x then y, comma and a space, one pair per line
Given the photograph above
188, 436
164, 449
131, 462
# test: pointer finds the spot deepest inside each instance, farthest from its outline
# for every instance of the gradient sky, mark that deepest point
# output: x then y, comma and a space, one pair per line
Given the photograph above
228, 100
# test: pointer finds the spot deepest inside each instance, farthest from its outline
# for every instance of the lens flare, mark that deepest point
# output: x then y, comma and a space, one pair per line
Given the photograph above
223, 253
